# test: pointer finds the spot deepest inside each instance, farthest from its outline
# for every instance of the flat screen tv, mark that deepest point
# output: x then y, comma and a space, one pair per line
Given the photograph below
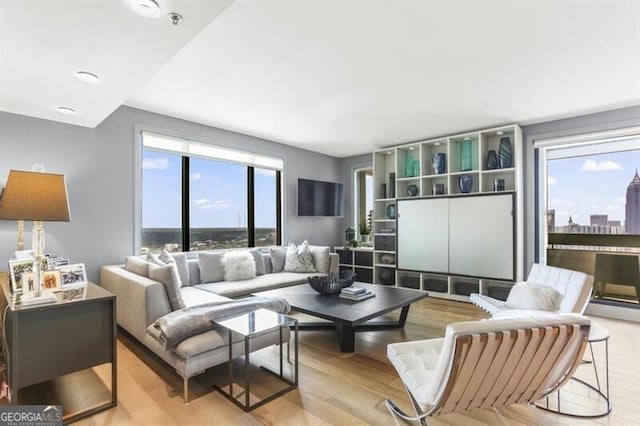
317, 198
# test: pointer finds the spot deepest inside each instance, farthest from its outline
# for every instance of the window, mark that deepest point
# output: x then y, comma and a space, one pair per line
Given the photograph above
363, 197
589, 193
198, 197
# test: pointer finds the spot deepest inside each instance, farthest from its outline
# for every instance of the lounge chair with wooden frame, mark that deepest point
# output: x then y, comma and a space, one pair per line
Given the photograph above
489, 364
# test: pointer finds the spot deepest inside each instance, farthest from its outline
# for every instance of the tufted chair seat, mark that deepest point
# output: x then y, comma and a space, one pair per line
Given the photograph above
574, 286
489, 364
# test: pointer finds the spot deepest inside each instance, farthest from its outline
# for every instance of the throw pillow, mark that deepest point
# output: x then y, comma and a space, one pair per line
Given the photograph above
180, 260
168, 276
533, 296
238, 265
137, 265
156, 259
278, 255
320, 257
299, 259
257, 257
211, 268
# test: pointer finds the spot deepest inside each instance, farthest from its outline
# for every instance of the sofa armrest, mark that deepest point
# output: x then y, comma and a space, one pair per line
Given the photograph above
139, 300
334, 259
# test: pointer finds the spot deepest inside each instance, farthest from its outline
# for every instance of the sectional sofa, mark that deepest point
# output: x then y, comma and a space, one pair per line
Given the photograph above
142, 300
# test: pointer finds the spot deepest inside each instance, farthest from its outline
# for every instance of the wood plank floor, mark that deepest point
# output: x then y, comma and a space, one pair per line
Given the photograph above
350, 389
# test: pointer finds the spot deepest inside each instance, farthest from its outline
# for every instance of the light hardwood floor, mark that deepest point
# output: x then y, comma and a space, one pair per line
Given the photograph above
350, 389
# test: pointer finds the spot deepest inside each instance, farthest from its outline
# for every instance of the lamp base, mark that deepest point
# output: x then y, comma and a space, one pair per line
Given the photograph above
38, 300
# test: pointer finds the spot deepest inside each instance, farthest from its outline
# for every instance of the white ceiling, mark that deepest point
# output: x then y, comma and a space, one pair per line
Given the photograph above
341, 77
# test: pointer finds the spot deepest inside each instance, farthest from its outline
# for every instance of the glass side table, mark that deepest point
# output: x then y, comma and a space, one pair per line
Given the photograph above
249, 326
597, 334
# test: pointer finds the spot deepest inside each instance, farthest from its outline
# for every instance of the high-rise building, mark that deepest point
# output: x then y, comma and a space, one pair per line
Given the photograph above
599, 219
551, 220
632, 211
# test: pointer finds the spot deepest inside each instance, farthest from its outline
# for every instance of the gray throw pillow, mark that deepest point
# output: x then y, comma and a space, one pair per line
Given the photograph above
180, 260
320, 258
278, 255
137, 265
168, 275
211, 267
257, 257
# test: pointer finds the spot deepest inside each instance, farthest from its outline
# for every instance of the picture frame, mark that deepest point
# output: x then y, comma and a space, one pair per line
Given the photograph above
74, 293
73, 275
24, 254
51, 281
18, 267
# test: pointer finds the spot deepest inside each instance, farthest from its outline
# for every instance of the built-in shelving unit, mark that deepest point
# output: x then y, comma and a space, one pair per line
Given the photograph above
357, 259
407, 171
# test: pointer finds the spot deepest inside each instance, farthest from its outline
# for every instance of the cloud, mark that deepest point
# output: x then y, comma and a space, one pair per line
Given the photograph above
195, 176
155, 163
599, 166
206, 204
551, 180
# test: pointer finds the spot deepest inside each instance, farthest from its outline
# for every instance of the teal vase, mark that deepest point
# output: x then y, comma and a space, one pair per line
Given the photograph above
465, 155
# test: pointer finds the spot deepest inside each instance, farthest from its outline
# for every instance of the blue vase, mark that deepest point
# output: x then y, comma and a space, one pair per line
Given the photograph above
408, 166
505, 154
465, 183
439, 162
492, 160
412, 190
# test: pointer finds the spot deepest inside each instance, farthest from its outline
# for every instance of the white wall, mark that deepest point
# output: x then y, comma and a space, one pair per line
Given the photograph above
98, 166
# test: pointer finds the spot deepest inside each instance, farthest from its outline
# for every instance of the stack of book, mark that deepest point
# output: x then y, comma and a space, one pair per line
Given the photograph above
356, 293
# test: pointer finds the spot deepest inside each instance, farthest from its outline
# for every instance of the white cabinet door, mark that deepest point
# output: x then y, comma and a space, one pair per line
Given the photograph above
423, 235
481, 239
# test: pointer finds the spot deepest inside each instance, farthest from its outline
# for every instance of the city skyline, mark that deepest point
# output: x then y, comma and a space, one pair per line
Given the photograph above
579, 187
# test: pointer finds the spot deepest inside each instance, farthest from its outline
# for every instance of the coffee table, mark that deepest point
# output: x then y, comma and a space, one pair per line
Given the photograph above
347, 316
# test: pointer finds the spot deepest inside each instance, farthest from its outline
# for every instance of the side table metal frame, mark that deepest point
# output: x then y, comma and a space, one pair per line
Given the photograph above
247, 406
598, 389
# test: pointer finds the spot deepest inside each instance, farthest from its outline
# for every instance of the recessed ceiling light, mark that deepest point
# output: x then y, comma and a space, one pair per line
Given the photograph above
499, 133
88, 77
437, 144
146, 8
412, 148
388, 152
467, 139
66, 110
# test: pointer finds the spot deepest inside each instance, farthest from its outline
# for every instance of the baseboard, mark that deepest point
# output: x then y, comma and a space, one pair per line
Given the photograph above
614, 312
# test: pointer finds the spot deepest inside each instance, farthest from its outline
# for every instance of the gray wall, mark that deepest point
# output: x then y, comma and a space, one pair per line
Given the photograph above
98, 166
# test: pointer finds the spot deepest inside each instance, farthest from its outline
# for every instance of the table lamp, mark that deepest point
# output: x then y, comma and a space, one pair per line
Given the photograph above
40, 197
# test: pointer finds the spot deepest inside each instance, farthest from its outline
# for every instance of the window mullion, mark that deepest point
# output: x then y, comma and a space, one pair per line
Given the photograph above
251, 223
186, 197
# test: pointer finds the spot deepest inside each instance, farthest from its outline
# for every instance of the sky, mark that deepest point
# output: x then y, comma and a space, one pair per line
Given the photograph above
218, 193
594, 184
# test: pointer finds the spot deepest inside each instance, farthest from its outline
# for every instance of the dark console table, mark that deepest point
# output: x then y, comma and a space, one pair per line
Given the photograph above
45, 342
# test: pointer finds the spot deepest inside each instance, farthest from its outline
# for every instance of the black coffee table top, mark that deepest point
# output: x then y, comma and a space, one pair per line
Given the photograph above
303, 298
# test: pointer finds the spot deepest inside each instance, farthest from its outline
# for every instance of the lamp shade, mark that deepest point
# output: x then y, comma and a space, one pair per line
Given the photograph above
34, 196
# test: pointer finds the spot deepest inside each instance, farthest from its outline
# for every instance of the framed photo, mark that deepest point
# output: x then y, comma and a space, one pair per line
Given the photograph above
17, 267
73, 275
51, 281
24, 254
74, 293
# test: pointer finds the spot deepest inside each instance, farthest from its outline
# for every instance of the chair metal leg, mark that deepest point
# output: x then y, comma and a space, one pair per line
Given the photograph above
394, 409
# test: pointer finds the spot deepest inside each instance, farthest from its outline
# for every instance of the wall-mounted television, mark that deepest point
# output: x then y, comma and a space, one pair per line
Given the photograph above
317, 198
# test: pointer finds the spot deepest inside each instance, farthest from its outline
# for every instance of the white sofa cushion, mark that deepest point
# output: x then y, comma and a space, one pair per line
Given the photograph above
525, 295
211, 267
137, 265
238, 265
298, 258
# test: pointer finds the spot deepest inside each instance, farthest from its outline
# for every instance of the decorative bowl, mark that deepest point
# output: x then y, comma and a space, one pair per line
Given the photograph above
332, 283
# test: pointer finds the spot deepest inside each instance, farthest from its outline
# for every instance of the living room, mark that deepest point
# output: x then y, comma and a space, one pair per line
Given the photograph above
319, 87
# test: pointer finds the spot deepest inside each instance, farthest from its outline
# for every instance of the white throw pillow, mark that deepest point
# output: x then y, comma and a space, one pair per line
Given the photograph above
238, 265
533, 296
155, 259
299, 259
168, 276
257, 258
320, 257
